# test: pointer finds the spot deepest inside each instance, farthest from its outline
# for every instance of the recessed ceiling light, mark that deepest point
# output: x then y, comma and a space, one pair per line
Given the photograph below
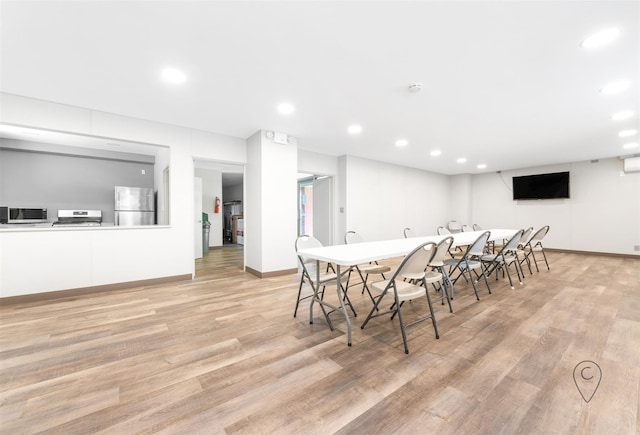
461, 160
435, 153
630, 145
627, 133
616, 87
286, 108
402, 143
601, 38
622, 116
354, 129
481, 166
173, 75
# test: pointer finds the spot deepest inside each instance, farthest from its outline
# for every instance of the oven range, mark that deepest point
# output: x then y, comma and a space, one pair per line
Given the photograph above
79, 218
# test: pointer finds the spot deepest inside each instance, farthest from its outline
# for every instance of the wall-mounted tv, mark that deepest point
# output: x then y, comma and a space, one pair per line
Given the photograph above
541, 186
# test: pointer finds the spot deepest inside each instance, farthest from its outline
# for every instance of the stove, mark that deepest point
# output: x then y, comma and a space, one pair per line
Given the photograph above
79, 218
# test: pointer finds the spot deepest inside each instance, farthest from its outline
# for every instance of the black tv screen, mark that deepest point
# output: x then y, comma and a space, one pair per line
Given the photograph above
541, 186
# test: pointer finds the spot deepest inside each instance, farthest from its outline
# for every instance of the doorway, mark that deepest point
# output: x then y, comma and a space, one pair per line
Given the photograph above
315, 207
220, 181
233, 208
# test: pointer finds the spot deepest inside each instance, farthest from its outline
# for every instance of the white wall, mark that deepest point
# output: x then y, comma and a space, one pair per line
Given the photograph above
460, 199
340, 187
270, 201
253, 202
90, 257
382, 199
161, 164
218, 147
212, 188
602, 215
316, 163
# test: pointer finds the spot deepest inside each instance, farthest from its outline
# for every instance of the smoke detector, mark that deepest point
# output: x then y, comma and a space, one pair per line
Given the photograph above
415, 88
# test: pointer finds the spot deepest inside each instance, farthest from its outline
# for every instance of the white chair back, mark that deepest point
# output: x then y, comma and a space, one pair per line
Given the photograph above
539, 235
415, 263
525, 237
307, 242
477, 247
352, 237
442, 231
441, 251
454, 226
513, 242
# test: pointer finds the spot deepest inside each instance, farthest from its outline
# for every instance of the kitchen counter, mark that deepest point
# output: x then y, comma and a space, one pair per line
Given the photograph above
67, 258
50, 227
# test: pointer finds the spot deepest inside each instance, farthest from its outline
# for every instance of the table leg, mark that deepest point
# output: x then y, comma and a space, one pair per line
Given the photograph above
315, 292
340, 291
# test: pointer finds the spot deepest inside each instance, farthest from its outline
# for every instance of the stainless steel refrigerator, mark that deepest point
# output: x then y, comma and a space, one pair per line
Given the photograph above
134, 206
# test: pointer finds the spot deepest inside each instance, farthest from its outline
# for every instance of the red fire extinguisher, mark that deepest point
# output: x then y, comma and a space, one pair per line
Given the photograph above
216, 209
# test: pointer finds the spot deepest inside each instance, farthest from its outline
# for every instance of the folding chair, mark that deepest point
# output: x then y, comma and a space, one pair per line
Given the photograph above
521, 252
437, 273
443, 231
535, 244
506, 256
364, 270
454, 227
469, 261
318, 280
413, 265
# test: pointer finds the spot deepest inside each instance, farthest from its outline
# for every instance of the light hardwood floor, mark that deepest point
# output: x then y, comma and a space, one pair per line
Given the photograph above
223, 354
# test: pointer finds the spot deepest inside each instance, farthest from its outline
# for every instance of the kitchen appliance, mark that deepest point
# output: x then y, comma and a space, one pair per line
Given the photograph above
134, 206
79, 218
18, 215
231, 208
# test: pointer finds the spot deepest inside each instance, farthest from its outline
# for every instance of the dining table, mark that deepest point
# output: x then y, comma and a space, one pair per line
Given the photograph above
348, 255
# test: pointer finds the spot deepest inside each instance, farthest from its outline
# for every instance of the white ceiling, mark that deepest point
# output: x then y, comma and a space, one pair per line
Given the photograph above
505, 83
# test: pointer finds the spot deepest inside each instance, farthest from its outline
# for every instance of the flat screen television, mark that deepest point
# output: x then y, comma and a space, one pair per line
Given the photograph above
541, 186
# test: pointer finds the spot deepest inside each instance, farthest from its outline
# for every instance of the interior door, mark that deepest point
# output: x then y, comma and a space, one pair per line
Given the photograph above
323, 210
197, 217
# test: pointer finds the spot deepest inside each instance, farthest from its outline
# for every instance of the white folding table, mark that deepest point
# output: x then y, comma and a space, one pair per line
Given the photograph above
359, 253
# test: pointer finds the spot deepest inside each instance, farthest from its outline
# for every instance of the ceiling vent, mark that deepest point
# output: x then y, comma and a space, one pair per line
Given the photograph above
632, 164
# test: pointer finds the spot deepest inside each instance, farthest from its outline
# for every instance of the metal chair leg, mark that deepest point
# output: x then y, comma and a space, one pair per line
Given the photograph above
535, 261
545, 258
402, 328
295, 312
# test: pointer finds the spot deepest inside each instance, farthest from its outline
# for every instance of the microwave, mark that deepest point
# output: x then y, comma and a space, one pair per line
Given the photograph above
18, 215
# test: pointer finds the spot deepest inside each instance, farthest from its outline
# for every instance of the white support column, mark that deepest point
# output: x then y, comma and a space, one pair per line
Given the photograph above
270, 206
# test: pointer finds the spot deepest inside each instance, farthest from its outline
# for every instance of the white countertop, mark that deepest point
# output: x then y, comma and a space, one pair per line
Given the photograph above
15, 228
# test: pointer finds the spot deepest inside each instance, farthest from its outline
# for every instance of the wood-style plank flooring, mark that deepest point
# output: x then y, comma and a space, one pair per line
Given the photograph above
222, 354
